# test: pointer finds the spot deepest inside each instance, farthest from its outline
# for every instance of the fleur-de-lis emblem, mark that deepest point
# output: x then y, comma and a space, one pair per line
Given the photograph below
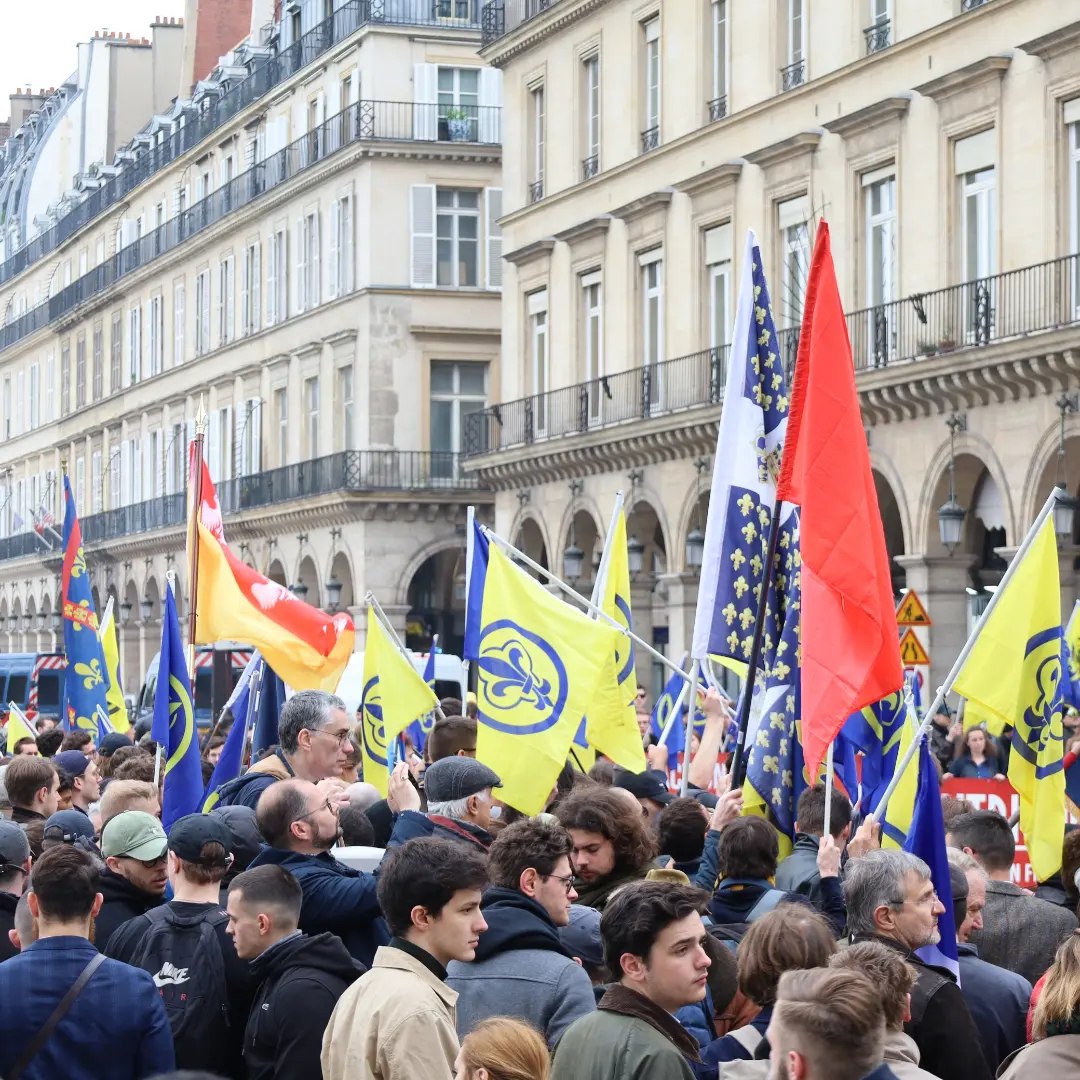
763, 337
737, 558
732, 641
756, 565
741, 587
78, 565
745, 503
749, 531
511, 668
759, 315
770, 764
90, 673
729, 612
746, 618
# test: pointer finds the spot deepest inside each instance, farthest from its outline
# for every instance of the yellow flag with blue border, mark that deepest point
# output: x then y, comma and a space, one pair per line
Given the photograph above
394, 696
114, 693
1013, 676
611, 725
17, 728
539, 663
901, 809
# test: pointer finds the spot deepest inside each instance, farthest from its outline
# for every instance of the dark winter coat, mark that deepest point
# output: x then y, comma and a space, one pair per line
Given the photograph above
120, 901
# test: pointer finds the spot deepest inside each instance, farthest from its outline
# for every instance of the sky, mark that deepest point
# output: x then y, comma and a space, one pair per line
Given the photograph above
37, 47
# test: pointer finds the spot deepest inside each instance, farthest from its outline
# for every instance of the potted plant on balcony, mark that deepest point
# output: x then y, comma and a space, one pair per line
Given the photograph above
458, 124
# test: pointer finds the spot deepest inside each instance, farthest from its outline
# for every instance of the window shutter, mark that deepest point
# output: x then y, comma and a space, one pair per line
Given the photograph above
426, 98
334, 249
354, 86
493, 211
490, 98
256, 287
347, 259
315, 265
227, 442
245, 294
422, 224
271, 282
301, 267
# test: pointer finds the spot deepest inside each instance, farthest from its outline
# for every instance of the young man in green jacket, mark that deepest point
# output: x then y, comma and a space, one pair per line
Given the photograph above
653, 942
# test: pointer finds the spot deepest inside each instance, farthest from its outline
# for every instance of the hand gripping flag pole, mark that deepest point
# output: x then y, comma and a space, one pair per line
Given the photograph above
954, 671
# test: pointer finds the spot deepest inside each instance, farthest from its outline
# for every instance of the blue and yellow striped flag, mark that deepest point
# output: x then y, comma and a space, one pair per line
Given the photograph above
1013, 676
395, 695
539, 663
173, 727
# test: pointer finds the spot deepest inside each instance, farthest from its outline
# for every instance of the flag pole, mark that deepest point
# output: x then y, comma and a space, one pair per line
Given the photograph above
605, 556
830, 772
695, 672
193, 534
589, 606
738, 760
672, 719
954, 671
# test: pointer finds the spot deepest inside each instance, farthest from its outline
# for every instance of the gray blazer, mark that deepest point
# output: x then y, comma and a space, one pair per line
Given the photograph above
1021, 932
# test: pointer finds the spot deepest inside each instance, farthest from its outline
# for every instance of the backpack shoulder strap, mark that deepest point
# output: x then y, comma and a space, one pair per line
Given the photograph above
58, 1014
748, 1037
766, 903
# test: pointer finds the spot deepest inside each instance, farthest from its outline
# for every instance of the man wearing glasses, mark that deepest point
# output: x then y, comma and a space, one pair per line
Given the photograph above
133, 881
313, 732
521, 967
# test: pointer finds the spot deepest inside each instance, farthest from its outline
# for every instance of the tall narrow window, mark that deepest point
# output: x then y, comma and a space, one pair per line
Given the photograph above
251, 289
878, 33
593, 339
794, 72
718, 105
536, 141
340, 261
538, 357
50, 387
98, 362
179, 321
650, 135
116, 352
80, 371
281, 415
202, 313
880, 196
277, 279
311, 407
134, 371
345, 404
459, 103
977, 194
457, 389
793, 222
1072, 121
652, 324
307, 265
226, 300
590, 164
155, 336
96, 482
458, 237
718, 285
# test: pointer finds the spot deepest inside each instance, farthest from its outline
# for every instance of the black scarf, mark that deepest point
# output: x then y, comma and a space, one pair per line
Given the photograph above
626, 1002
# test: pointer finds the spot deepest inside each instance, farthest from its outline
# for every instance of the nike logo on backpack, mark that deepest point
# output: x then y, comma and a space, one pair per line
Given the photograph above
170, 976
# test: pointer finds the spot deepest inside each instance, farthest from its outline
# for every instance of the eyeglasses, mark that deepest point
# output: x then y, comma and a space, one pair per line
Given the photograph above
930, 901
567, 881
340, 737
149, 864
326, 804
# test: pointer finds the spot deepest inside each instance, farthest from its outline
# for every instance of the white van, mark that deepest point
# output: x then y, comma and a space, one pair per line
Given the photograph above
449, 677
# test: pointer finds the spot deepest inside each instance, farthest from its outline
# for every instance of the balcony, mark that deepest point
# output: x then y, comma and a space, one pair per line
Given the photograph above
536, 190
199, 123
793, 75
366, 121
972, 315
590, 166
358, 472
971, 5
650, 138
878, 36
717, 109
501, 17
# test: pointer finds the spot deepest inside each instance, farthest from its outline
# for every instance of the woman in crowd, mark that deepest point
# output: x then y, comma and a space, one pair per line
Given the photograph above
978, 759
503, 1049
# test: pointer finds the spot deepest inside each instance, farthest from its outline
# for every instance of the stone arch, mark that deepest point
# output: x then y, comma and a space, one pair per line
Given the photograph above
131, 596
1043, 469
589, 527
644, 520
529, 538
152, 593
445, 543
341, 571
307, 574
95, 596
32, 611
892, 525
693, 514
885, 471
277, 573
435, 600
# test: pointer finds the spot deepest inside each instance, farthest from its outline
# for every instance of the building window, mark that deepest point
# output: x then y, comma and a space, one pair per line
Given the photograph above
202, 313
311, 407
96, 482
277, 279
65, 385
134, 345
1072, 120
226, 300
650, 135
345, 402
35, 396
794, 228
718, 285
878, 32
251, 289
652, 322
341, 259
590, 164
116, 352
307, 263
281, 413
155, 337
80, 371
538, 357
592, 323
179, 321
457, 230
98, 376
794, 71
250, 438
458, 103
718, 104
536, 143
457, 389
976, 180
880, 198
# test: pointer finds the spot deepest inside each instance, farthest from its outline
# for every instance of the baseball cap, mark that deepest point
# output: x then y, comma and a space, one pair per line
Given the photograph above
14, 846
247, 841
190, 833
73, 762
457, 778
644, 785
111, 743
69, 826
581, 936
134, 835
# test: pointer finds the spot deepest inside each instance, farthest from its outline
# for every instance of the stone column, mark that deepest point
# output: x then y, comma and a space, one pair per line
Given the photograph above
358, 612
682, 593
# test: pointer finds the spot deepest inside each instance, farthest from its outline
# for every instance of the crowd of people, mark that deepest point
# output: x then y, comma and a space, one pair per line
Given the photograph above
623, 932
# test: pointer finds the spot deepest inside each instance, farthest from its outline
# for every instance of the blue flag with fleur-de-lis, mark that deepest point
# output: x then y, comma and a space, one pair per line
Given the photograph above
85, 685
173, 727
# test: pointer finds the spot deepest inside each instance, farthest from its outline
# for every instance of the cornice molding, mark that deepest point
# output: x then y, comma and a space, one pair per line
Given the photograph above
710, 179
986, 70
1050, 46
890, 108
561, 14
538, 249
802, 142
585, 230
638, 208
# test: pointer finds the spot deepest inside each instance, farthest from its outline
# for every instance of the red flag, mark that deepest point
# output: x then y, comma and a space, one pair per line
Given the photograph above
850, 651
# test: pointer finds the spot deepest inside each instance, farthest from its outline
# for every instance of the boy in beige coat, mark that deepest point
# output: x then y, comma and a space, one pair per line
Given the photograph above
397, 1022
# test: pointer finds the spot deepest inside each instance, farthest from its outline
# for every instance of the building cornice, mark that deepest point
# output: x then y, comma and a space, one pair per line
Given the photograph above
561, 14
638, 208
450, 333
538, 249
1058, 43
987, 70
872, 116
711, 179
802, 142
585, 230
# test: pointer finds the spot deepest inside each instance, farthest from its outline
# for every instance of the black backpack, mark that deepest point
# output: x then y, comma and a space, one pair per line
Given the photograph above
183, 954
732, 933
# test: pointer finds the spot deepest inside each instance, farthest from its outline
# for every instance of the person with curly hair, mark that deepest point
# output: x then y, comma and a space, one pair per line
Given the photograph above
612, 843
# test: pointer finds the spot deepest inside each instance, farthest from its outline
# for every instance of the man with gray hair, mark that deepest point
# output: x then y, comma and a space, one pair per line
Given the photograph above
890, 898
313, 733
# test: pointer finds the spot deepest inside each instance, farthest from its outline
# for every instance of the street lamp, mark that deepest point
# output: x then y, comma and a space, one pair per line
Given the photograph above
299, 590
951, 514
695, 540
146, 608
635, 555
56, 621
125, 612
573, 559
333, 586
1066, 505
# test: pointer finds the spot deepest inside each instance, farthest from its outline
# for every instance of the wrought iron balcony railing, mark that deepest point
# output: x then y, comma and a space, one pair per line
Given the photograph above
793, 75
718, 108
590, 166
365, 121
650, 138
971, 5
500, 17
974, 314
200, 123
878, 36
536, 190
354, 471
